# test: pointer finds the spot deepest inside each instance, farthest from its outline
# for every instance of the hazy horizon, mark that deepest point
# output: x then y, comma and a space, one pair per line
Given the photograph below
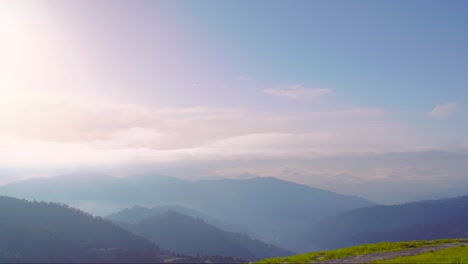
367, 98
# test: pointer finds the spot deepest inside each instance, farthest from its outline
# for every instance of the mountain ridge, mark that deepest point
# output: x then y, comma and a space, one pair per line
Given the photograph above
186, 235
266, 207
385, 222
51, 232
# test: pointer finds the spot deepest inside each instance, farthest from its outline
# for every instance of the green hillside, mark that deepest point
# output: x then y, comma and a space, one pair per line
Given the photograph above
450, 255
459, 252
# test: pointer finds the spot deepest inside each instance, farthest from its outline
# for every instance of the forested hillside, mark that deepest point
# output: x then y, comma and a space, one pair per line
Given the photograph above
189, 236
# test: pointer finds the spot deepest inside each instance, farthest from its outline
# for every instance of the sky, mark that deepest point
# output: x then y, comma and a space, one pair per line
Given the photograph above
359, 97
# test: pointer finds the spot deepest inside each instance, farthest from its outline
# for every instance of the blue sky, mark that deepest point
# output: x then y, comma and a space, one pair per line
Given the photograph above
319, 92
372, 51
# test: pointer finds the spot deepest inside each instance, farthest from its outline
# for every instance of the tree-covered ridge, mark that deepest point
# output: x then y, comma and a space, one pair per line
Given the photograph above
190, 236
52, 232
431, 219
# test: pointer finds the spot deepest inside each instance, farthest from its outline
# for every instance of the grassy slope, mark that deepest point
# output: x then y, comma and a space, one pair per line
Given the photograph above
449, 255
356, 251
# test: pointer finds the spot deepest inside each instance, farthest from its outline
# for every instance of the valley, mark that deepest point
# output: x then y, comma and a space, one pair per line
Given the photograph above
182, 224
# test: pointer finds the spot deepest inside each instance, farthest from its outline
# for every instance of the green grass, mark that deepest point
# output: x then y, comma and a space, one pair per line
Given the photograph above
449, 255
318, 256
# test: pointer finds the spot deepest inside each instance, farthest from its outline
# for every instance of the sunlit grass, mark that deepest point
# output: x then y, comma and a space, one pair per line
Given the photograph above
318, 256
449, 255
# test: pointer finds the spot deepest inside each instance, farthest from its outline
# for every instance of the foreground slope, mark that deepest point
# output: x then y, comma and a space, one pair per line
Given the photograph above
431, 219
379, 252
189, 236
449, 255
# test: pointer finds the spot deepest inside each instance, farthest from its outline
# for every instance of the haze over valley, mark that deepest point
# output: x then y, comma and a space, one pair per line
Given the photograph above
230, 131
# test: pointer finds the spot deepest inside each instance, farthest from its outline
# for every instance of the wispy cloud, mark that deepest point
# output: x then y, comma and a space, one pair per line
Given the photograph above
199, 85
350, 113
298, 92
443, 111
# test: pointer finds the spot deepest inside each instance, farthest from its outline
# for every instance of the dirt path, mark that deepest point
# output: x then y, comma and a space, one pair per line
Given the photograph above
392, 254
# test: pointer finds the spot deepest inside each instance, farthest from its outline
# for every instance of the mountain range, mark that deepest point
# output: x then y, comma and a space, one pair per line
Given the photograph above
266, 208
178, 220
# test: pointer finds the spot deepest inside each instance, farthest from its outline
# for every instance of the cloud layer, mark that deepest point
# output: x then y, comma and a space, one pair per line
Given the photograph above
137, 132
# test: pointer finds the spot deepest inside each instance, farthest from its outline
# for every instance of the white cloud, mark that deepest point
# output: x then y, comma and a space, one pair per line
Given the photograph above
309, 145
443, 111
299, 92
